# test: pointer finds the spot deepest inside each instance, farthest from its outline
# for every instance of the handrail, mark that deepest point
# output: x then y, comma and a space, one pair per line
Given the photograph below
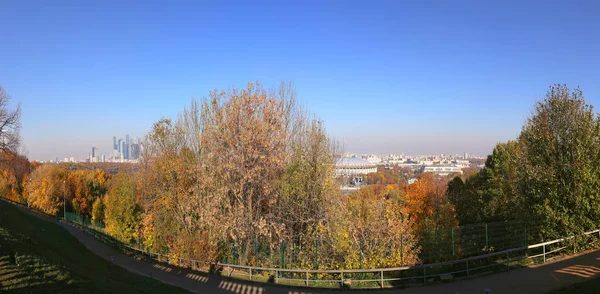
341, 272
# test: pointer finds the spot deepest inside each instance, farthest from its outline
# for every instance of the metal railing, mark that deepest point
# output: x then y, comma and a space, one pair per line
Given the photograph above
279, 277
340, 277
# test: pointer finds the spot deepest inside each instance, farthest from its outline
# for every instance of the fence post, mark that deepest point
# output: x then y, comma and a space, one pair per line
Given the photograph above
467, 267
361, 257
317, 258
453, 253
307, 278
487, 245
250, 273
401, 252
276, 277
254, 249
382, 279
282, 254
544, 247
525, 241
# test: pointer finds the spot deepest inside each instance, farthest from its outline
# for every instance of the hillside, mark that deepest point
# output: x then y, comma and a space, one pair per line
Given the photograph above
38, 256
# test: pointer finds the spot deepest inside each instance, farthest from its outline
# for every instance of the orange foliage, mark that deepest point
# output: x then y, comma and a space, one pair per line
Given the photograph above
427, 205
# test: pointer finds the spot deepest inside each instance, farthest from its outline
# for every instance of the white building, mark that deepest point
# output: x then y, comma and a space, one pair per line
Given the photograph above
354, 166
442, 170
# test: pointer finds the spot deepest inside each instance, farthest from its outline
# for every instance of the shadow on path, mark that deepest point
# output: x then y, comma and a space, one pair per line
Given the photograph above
534, 279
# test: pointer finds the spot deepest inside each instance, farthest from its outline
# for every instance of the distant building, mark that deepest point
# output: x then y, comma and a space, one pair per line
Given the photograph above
354, 166
442, 170
126, 148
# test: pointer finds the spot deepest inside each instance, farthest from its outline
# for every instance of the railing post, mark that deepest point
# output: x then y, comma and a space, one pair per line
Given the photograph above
467, 267
402, 251
453, 253
276, 277
342, 279
250, 274
544, 247
306, 283
487, 245
282, 255
361, 257
525, 241
382, 279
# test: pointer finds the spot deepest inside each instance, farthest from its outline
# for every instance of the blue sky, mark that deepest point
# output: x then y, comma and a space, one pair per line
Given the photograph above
417, 77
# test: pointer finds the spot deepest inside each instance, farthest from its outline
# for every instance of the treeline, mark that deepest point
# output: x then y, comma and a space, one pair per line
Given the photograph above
549, 177
246, 176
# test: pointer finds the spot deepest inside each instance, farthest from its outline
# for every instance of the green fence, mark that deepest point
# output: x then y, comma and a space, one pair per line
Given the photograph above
439, 245
83, 220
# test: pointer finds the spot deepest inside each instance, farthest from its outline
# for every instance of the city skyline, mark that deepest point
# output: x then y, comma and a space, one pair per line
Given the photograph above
388, 77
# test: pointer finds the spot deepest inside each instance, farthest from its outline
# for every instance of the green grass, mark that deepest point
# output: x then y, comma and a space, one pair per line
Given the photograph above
38, 256
591, 286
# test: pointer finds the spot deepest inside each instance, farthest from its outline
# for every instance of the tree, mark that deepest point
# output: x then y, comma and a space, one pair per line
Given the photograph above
47, 188
561, 154
122, 212
370, 229
491, 194
9, 124
98, 210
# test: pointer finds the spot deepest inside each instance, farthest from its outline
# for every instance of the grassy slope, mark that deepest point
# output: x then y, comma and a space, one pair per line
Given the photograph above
38, 256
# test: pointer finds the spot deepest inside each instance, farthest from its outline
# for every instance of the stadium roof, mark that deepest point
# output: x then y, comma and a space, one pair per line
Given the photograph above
353, 162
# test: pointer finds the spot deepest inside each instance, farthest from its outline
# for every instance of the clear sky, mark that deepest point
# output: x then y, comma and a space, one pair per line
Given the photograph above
417, 77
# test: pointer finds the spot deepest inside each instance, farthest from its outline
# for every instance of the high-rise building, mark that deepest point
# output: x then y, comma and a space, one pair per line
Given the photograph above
93, 151
127, 144
122, 149
115, 147
119, 146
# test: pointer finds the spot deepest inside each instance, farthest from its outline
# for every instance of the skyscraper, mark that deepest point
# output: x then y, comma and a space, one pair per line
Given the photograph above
115, 147
126, 151
119, 146
93, 152
122, 149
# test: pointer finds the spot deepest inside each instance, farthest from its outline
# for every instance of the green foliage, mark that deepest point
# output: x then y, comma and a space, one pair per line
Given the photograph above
549, 177
98, 210
51, 260
560, 176
122, 212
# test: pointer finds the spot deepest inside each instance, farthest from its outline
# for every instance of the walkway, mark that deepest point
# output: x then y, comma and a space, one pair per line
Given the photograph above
535, 279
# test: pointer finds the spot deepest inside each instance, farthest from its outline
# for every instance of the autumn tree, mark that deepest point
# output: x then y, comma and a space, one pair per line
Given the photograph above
122, 212
47, 191
370, 229
98, 210
240, 168
83, 188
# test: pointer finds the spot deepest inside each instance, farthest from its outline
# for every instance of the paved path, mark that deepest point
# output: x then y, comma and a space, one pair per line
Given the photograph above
535, 279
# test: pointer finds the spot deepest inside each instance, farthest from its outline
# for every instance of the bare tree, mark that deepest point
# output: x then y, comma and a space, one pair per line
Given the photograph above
10, 123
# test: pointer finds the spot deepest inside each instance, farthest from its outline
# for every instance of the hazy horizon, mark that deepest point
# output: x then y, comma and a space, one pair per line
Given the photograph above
384, 76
